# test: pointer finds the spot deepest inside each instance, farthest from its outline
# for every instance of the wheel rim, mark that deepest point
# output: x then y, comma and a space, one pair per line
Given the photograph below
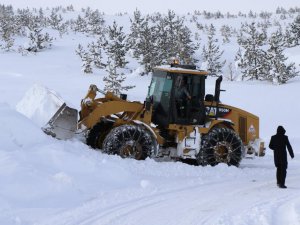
222, 151
131, 149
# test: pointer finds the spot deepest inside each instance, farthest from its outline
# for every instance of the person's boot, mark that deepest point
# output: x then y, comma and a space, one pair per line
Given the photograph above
282, 186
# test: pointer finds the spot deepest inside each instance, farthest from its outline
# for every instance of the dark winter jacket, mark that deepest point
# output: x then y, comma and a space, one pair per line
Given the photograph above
278, 143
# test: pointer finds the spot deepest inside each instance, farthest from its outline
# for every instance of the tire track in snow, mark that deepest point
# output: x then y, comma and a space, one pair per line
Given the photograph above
117, 215
194, 204
276, 200
90, 211
127, 213
288, 211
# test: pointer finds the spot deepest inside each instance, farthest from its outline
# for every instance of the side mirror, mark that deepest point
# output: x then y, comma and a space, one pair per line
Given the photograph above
123, 96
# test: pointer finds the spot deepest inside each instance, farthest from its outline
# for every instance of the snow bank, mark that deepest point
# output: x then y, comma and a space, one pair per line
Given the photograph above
39, 104
17, 131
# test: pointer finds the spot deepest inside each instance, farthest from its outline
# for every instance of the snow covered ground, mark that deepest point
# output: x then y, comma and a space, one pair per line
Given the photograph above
46, 181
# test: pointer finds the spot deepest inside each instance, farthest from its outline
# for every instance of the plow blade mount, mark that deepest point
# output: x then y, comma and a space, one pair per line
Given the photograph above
63, 124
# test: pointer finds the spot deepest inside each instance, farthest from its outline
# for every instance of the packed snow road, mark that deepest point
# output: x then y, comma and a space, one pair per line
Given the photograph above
46, 181
247, 195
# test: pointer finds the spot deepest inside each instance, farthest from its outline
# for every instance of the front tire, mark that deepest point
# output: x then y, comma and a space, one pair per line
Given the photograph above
97, 134
220, 145
130, 141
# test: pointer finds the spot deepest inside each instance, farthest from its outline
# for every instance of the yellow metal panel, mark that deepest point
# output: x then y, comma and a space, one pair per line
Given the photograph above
252, 122
109, 108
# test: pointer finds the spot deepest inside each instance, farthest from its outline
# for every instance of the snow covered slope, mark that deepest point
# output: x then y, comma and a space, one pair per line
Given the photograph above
46, 181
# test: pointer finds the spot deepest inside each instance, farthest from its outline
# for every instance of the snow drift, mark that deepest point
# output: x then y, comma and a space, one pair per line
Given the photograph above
17, 131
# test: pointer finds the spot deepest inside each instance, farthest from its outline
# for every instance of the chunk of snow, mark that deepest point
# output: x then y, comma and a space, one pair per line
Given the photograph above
39, 104
145, 183
62, 178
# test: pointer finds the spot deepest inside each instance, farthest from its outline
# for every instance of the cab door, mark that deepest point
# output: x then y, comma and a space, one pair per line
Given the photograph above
188, 105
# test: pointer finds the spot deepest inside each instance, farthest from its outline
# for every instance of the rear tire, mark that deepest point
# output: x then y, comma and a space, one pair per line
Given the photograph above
130, 141
220, 145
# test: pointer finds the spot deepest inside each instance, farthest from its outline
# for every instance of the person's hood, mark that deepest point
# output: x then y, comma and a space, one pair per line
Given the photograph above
280, 130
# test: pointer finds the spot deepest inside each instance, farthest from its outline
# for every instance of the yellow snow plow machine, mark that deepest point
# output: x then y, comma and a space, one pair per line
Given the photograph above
178, 120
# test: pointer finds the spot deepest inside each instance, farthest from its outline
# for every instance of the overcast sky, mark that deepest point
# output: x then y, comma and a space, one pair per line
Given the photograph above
179, 6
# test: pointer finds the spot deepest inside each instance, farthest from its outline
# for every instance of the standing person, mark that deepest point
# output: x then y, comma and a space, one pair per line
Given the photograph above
279, 142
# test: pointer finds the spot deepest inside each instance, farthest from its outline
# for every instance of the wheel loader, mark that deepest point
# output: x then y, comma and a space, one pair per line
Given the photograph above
178, 120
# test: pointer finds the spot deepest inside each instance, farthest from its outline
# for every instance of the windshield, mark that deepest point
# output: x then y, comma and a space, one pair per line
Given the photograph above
160, 91
160, 86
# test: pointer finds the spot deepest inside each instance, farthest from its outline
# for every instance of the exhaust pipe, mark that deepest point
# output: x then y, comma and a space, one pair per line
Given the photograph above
218, 89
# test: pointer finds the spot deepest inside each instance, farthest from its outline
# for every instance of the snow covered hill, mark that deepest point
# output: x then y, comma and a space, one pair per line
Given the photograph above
46, 181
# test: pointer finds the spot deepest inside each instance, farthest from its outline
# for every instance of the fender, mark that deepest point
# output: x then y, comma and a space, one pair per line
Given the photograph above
216, 123
154, 131
156, 138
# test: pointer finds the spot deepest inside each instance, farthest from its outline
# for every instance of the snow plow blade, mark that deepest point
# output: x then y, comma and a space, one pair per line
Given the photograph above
63, 124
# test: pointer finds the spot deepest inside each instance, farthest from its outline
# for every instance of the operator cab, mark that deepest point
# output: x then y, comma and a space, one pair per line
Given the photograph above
177, 93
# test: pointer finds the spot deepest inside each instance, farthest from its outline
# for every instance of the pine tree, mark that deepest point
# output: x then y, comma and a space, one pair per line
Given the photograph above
79, 25
211, 53
55, 20
7, 28
8, 42
95, 22
87, 63
232, 73
226, 33
265, 15
166, 36
96, 50
38, 40
24, 20
294, 33
239, 56
251, 14
86, 59
42, 18
134, 38
116, 47
115, 79
288, 39
79, 51
148, 48
174, 39
6, 33
144, 42
70, 8
185, 46
279, 72
254, 57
